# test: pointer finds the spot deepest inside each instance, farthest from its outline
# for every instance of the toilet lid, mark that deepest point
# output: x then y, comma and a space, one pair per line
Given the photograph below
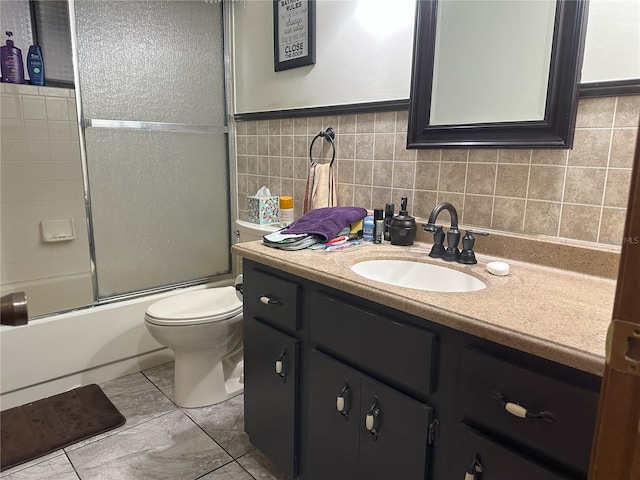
198, 306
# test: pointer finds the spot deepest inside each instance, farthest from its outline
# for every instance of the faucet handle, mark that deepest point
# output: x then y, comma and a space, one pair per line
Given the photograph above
437, 251
467, 255
471, 233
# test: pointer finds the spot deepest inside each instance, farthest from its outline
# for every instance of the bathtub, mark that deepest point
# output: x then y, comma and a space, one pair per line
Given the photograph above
59, 352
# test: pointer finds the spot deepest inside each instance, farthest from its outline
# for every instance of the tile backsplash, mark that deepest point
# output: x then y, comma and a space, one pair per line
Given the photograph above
578, 194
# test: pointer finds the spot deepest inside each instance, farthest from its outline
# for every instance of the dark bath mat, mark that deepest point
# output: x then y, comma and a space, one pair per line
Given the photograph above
41, 427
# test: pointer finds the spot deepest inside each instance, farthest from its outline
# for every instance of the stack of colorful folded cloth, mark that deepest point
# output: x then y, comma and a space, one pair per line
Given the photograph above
318, 226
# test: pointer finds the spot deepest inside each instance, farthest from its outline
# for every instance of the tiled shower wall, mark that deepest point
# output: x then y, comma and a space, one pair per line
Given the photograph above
578, 194
41, 178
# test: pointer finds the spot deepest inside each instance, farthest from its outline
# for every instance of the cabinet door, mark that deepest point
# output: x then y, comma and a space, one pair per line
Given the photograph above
397, 444
270, 398
332, 434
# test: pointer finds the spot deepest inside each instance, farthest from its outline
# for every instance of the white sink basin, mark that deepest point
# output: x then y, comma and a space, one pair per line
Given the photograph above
421, 276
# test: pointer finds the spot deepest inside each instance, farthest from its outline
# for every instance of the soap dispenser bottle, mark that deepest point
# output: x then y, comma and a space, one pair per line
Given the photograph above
35, 65
11, 57
402, 227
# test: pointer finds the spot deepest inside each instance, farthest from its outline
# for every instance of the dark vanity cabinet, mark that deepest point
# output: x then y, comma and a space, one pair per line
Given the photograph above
341, 388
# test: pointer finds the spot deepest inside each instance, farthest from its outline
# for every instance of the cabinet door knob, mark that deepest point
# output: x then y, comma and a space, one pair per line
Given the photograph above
270, 301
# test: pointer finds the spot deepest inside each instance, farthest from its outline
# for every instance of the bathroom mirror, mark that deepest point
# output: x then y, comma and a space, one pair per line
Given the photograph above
496, 74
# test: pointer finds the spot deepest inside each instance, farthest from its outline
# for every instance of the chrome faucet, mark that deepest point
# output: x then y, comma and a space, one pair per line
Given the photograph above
453, 235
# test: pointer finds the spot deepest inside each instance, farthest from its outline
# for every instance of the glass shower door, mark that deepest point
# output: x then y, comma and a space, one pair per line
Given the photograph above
151, 79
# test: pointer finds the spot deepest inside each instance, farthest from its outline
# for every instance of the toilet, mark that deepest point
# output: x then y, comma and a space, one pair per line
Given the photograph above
204, 330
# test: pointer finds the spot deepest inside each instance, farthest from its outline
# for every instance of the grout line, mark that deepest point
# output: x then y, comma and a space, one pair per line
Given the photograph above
495, 187
526, 193
606, 172
564, 185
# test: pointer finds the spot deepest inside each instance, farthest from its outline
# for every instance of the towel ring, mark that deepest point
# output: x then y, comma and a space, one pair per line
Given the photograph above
329, 134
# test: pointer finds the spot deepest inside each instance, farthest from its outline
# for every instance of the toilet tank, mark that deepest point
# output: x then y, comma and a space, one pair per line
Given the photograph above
247, 232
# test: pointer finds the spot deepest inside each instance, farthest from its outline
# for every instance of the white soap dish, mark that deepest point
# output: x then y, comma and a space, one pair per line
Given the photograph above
57, 230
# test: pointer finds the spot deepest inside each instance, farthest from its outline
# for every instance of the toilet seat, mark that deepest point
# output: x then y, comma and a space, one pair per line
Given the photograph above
196, 307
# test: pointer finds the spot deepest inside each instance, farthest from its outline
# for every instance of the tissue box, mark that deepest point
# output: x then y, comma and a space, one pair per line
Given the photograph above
263, 210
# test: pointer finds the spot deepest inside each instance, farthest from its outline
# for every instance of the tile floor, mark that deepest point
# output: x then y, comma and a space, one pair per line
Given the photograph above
159, 441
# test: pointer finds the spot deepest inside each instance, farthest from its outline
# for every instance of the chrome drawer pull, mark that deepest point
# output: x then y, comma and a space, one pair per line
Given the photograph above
270, 301
519, 411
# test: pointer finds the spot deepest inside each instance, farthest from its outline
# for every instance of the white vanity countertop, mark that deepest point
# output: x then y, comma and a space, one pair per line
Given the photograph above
555, 314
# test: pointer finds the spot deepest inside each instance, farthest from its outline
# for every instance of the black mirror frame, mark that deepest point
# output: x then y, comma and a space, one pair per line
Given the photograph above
555, 131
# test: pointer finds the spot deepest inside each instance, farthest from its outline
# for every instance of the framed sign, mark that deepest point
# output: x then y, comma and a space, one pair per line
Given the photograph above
294, 33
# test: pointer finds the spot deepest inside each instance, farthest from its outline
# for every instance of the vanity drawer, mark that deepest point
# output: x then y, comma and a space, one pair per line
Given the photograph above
496, 461
397, 352
488, 386
272, 298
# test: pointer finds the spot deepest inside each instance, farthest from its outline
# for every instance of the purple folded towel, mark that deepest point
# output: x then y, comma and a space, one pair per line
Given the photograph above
327, 222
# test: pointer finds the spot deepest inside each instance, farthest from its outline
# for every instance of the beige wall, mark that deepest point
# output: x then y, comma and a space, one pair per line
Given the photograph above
576, 194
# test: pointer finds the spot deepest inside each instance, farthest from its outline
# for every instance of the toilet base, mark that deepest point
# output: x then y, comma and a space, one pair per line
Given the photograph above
198, 384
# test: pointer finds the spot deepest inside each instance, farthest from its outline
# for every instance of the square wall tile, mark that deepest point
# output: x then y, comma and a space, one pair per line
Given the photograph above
385, 122
404, 174
477, 210
595, 112
10, 106
424, 201
483, 156
427, 175
584, 185
549, 157
401, 152
512, 180
542, 218
452, 177
383, 146
628, 111
33, 108
383, 173
514, 156
508, 214
546, 182
580, 222
612, 226
623, 147
590, 148
481, 178
617, 188
57, 109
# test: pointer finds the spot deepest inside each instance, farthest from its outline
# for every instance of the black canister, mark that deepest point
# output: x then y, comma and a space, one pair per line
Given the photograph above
402, 228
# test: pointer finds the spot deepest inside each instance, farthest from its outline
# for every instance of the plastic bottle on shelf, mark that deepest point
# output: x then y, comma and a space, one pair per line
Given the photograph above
35, 65
11, 57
